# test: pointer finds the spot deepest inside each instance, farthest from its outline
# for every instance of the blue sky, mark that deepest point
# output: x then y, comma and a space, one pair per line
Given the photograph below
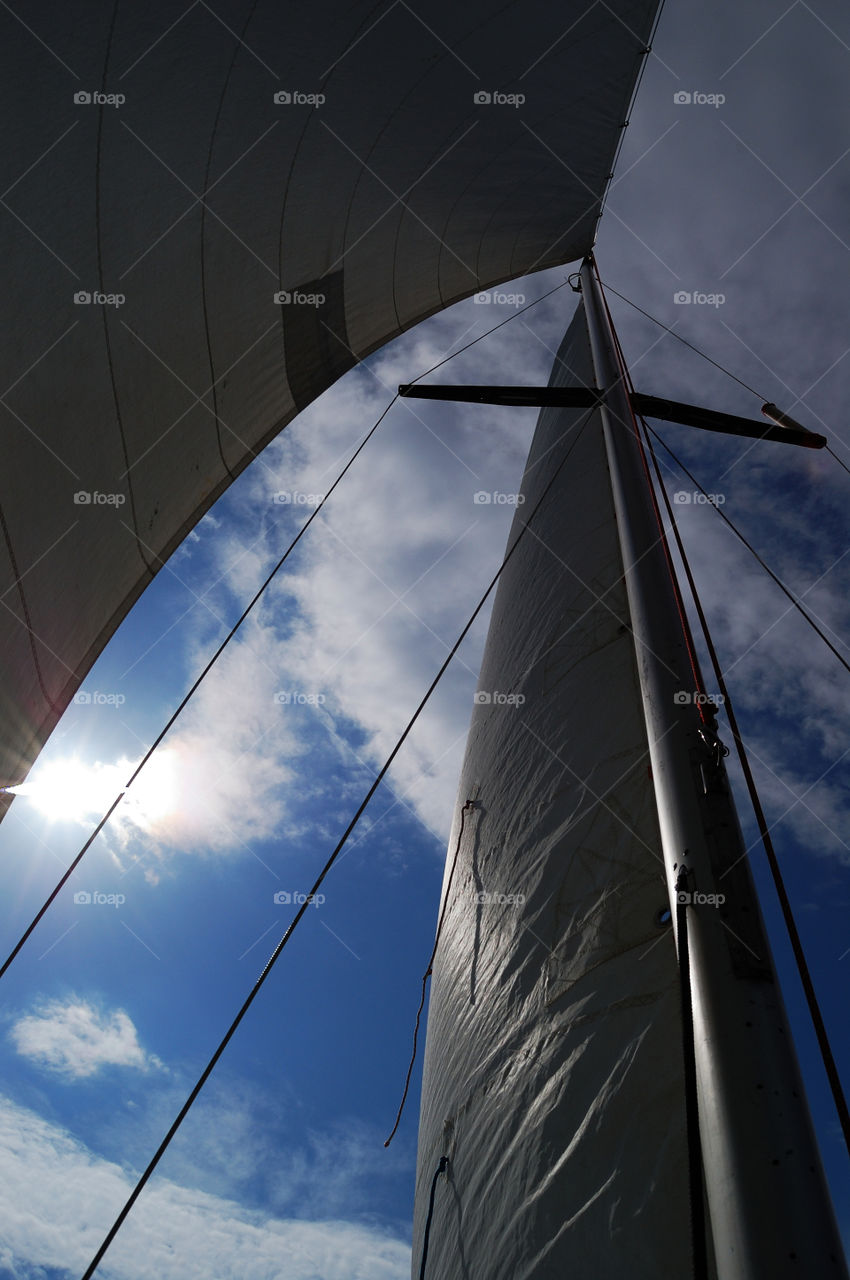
112, 1009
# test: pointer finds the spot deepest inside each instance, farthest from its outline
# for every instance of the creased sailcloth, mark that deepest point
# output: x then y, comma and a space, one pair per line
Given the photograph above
195, 200
553, 1076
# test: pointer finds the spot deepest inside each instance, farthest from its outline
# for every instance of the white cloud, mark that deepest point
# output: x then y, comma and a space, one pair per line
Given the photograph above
57, 1201
75, 1039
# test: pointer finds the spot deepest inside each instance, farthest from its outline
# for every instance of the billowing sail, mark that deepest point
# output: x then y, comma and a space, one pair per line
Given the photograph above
553, 1067
209, 215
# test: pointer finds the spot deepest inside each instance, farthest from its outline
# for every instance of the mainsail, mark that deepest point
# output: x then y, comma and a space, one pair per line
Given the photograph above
209, 219
553, 1076
559, 1071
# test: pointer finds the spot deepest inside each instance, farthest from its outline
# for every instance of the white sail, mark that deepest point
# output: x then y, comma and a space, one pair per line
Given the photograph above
207, 223
553, 1069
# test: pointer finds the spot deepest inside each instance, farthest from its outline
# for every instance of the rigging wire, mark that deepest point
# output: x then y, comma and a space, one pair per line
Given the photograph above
796, 603
470, 804
840, 462
230, 635
273, 958
764, 829
707, 357
679, 338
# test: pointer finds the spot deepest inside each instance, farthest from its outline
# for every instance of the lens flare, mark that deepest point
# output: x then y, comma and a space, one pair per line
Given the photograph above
73, 791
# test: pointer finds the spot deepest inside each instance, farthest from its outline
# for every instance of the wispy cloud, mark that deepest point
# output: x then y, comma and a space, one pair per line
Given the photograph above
45, 1177
75, 1039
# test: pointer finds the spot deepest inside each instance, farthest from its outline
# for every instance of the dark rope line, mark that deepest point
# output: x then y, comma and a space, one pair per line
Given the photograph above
764, 831
270, 963
796, 603
840, 462
486, 334
181, 706
470, 804
679, 338
441, 1168
695, 1176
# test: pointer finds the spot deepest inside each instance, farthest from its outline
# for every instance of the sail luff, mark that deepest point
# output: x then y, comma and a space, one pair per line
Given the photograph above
770, 1209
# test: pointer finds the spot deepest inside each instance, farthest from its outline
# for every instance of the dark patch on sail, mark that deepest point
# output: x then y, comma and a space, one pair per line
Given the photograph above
315, 337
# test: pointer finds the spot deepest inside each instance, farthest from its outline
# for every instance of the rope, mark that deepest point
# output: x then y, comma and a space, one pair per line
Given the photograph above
838, 460
796, 603
441, 1168
270, 963
487, 332
695, 1179
470, 804
697, 350
679, 338
764, 831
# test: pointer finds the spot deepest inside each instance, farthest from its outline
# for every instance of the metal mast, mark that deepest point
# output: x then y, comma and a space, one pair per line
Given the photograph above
769, 1206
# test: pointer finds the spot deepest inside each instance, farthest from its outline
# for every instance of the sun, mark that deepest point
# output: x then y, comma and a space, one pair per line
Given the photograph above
75, 791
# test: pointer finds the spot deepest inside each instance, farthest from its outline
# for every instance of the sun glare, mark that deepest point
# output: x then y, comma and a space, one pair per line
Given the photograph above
72, 791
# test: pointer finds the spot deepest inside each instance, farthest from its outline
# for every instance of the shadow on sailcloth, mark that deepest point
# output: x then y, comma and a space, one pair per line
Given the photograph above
608, 1056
